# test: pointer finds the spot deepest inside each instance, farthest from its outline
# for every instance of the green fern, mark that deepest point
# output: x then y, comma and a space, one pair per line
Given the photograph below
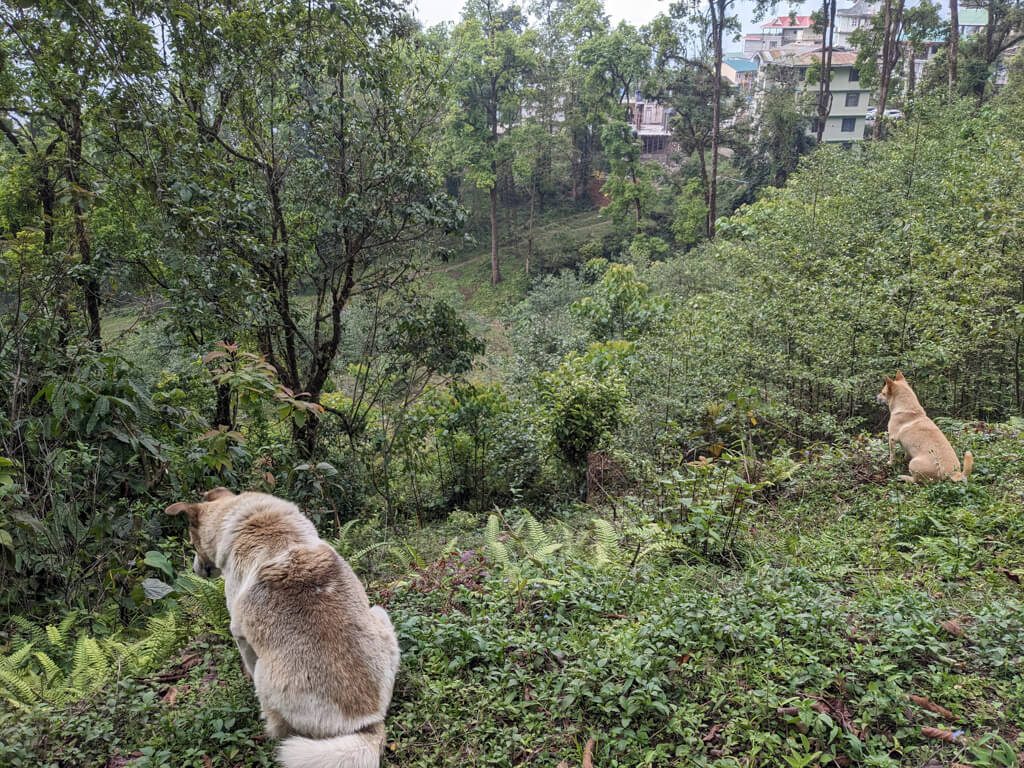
606, 543
495, 547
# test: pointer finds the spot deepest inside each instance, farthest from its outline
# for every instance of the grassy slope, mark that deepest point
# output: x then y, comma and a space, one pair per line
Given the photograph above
838, 605
836, 610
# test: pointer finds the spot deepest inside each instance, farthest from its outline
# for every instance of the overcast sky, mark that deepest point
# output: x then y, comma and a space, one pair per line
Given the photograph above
636, 12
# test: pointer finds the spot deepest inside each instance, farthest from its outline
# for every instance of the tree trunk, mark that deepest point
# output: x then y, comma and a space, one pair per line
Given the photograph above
222, 415
890, 55
90, 285
954, 44
717, 20
495, 268
828, 13
529, 237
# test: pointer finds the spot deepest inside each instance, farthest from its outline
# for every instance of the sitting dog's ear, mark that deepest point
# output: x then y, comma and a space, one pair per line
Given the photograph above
190, 510
888, 380
217, 493
899, 376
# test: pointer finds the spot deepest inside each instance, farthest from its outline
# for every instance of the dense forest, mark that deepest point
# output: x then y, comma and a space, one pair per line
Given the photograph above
598, 431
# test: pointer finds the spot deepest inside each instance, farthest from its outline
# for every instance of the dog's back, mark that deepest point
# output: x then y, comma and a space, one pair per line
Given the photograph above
326, 659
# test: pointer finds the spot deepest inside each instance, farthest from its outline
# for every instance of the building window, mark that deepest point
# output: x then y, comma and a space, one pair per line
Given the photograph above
849, 123
852, 99
854, 75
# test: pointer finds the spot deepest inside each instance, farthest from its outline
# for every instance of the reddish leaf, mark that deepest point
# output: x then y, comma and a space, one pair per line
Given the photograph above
921, 701
588, 754
710, 735
207, 761
170, 697
953, 627
937, 733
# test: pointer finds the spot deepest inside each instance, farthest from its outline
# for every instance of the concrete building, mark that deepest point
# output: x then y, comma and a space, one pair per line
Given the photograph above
780, 31
740, 72
857, 16
650, 121
788, 66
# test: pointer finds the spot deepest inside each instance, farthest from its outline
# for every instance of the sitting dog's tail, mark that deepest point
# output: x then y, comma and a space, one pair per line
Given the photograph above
354, 750
968, 466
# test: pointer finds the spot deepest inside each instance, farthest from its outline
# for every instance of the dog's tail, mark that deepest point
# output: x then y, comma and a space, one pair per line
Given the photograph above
968, 466
354, 750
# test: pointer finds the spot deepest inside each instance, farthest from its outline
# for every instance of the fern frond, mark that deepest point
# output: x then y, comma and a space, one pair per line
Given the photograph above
33, 632
355, 557
16, 659
495, 547
535, 533
53, 637
16, 689
606, 543
51, 671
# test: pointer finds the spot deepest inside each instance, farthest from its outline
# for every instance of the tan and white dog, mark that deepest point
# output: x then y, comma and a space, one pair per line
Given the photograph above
322, 661
931, 455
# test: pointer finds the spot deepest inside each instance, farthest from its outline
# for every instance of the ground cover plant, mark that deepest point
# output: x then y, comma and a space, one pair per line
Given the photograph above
899, 611
621, 487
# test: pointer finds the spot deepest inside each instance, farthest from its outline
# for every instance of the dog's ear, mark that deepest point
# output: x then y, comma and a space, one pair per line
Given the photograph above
888, 380
190, 510
899, 376
217, 493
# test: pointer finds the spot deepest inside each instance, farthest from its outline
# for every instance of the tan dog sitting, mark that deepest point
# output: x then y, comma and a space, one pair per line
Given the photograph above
322, 661
931, 455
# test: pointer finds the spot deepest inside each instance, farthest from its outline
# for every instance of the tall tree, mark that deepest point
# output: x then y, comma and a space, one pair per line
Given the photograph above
64, 69
494, 50
826, 24
954, 43
319, 116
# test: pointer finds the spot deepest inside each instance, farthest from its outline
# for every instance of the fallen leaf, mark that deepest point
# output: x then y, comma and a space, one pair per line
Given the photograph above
937, 733
207, 761
170, 697
710, 735
564, 764
921, 701
588, 754
953, 627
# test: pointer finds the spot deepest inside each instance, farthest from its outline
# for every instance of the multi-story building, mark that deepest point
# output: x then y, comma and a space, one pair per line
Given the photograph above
780, 31
857, 16
787, 67
650, 121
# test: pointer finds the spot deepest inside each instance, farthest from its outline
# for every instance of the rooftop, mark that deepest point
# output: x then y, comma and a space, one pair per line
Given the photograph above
803, 55
800, 22
859, 8
740, 65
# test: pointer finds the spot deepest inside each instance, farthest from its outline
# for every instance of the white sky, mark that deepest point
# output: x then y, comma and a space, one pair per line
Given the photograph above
636, 12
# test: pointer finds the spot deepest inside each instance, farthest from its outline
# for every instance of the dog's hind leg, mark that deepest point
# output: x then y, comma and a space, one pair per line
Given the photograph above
247, 653
277, 728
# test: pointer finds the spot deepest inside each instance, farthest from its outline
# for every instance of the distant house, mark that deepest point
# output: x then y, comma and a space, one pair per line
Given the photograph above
784, 30
850, 100
848, 20
740, 72
650, 121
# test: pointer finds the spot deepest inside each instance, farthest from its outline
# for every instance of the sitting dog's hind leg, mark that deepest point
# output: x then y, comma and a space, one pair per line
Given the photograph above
277, 728
248, 655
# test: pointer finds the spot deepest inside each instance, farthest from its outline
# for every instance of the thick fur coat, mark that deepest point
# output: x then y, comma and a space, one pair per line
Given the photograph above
931, 456
322, 660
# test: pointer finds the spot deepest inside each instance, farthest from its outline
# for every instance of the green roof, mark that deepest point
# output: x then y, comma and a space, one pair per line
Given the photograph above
741, 65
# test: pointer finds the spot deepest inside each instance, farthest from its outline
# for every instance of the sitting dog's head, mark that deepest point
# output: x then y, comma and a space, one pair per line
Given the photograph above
202, 528
888, 391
